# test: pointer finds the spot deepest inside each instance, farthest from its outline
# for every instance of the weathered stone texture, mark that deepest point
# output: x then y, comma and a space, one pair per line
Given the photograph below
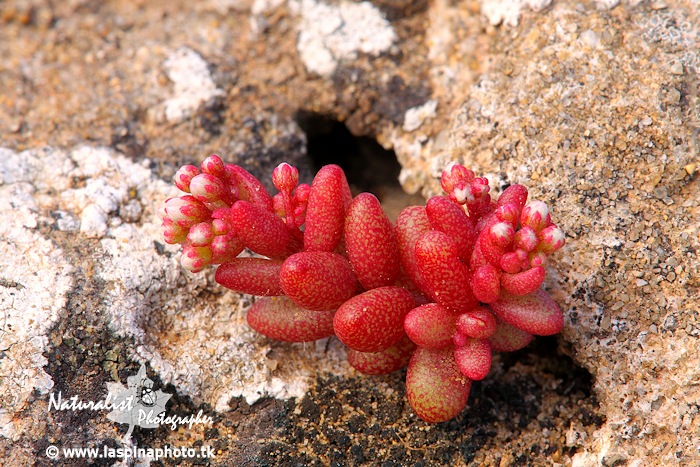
594, 106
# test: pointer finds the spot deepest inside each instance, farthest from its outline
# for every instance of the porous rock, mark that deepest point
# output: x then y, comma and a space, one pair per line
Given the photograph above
592, 105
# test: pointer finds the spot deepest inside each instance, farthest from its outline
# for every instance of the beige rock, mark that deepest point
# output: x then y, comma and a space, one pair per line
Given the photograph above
593, 105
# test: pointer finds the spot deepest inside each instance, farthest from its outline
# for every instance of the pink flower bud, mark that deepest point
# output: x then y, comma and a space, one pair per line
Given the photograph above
219, 227
278, 205
508, 213
208, 188
526, 239
285, 177
225, 248
186, 211
213, 165
173, 233
479, 188
464, 188
511, 263
454, 175
201, 234
502, 234
219, 245
195, 258
551, 239
535, 215
184, 176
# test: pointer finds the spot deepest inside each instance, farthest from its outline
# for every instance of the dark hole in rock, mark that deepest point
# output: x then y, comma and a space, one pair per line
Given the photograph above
542, 351
367, 165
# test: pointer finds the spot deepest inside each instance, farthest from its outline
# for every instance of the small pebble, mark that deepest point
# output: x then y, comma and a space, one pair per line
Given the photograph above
677, 68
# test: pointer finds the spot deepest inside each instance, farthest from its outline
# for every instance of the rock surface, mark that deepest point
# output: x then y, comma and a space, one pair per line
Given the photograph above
592, 105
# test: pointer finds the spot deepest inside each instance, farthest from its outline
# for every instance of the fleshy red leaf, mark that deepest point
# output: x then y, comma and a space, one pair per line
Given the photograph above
508, 338
448, 217
281, 319
373, 320
486, 283
514, 194
536, 313
254, 276
225, 248
474, 359
525, 282
442, 274
411, 224
478, 323
318, 280
248, 187
260, 230
381, 363
371, 243
486, 251
435, 387
430, 326
325, 211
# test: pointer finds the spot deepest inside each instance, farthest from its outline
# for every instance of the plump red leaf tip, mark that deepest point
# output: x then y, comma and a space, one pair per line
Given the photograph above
281, 319
371, 243
373, 320
474, 358
254, 276
430, 326
325, 211
385, 361
436, 388
318, 280
535, 313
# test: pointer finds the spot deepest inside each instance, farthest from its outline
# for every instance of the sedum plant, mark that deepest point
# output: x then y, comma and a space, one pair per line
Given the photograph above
438, 291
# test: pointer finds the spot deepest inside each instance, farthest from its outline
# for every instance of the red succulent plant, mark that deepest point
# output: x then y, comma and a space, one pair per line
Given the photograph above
439, 290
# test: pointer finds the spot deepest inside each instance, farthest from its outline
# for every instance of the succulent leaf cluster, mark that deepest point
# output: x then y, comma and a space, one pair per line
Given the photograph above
439, 290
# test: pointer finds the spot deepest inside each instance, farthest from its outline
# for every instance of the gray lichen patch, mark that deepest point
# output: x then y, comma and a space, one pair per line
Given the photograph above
34, 280
329, 34
193, 84
507, 12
